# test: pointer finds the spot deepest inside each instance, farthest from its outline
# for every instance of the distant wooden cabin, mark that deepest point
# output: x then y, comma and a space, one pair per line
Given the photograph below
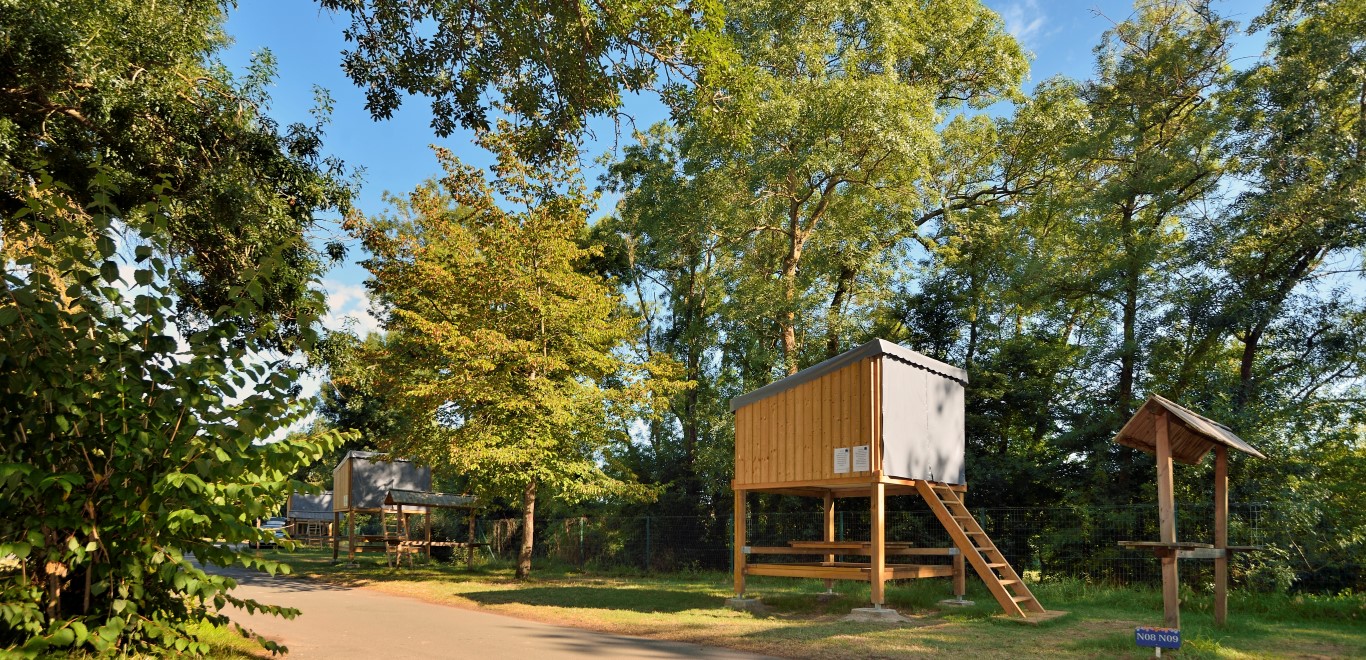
875, 421
360, 484
310, 517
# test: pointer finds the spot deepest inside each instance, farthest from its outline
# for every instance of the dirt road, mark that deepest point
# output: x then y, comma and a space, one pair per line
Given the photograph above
350, 622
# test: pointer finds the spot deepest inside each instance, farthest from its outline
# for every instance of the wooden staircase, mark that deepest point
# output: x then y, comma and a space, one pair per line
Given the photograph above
1005, 584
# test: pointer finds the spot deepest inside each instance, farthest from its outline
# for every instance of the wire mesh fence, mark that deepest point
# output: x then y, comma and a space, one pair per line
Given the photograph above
1044, 543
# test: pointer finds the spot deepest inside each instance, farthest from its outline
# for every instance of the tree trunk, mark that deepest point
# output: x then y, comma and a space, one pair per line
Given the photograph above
528, 529
843, 285
1128, 350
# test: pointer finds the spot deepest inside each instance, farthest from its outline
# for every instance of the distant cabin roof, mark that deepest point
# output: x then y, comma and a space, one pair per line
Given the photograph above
427, 498
871, 349
304, 506
374, 456
1191, 434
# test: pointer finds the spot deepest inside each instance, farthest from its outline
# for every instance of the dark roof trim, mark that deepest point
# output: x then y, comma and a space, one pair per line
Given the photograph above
374, 456
875, 348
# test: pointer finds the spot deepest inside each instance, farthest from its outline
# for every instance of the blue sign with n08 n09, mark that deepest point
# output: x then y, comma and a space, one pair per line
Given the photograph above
1162, 638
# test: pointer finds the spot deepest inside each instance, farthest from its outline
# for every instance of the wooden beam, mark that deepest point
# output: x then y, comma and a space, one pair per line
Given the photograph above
351, 535
829, 535
1166, 514
879, 540
336, 538
469, 558
739, 551
860, 549
1221, 534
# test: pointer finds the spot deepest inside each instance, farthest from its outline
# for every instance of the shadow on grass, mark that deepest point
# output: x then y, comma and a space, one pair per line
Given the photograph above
605, 597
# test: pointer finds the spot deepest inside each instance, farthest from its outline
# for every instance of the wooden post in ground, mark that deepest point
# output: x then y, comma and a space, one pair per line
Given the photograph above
879, 543
350, 536
960, 568
336, 537
1166, 515
829, 532
739, 526
427, 522
469, 544
1221, 534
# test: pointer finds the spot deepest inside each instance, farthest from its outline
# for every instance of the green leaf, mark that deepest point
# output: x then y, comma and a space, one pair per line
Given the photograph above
109, 271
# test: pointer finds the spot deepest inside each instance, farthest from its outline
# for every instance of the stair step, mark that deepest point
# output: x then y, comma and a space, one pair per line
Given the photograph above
1022, 599
1009, 582
997, 565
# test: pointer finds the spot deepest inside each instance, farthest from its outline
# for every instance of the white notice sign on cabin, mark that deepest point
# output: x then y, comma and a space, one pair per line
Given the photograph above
841, 460
861, 458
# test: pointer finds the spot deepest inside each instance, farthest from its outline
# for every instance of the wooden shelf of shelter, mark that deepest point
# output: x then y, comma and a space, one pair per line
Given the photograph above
849, 570
1188, 550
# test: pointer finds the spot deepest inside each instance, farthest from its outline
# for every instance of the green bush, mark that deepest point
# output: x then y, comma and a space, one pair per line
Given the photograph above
127, 450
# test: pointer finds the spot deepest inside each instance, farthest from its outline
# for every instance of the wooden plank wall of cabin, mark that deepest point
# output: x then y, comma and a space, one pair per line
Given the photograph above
791, 436
341, 486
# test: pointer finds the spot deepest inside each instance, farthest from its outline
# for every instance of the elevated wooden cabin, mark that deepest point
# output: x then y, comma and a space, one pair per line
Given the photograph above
879, 410
362, 479
875, 421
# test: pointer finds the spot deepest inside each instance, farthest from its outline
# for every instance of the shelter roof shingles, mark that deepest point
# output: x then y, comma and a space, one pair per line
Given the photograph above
1191, 434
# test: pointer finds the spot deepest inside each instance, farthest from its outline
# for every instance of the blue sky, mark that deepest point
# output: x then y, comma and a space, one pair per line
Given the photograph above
395, 154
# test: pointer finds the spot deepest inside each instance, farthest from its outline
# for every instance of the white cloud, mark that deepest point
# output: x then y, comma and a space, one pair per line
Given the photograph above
349, 305
1024, 20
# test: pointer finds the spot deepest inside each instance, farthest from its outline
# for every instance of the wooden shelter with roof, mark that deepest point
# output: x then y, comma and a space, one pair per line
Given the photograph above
875, 421
1177, 434
395, 489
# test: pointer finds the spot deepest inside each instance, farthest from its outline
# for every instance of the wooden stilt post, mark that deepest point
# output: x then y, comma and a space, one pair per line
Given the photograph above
427, 522
879, 543
829, 532
960, 568
960, 576
740, 543
336, 538
350, 536
1166, 515
469, 544
1221, 534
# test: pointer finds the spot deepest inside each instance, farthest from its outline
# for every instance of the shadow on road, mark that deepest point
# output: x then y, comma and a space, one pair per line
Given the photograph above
289, 583
606, 597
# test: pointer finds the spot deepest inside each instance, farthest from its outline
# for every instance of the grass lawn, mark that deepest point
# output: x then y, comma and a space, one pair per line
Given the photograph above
799, 624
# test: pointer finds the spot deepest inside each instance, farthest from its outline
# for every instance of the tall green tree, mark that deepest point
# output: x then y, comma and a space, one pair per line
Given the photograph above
136, 87
831, 137
551, 65
1152, 143
503, 350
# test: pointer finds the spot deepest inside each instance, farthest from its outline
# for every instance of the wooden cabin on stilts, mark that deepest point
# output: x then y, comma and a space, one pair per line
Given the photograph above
876, 421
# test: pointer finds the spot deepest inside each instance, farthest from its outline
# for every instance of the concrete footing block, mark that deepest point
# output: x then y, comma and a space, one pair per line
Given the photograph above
745, 604
956, 602
875, 615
